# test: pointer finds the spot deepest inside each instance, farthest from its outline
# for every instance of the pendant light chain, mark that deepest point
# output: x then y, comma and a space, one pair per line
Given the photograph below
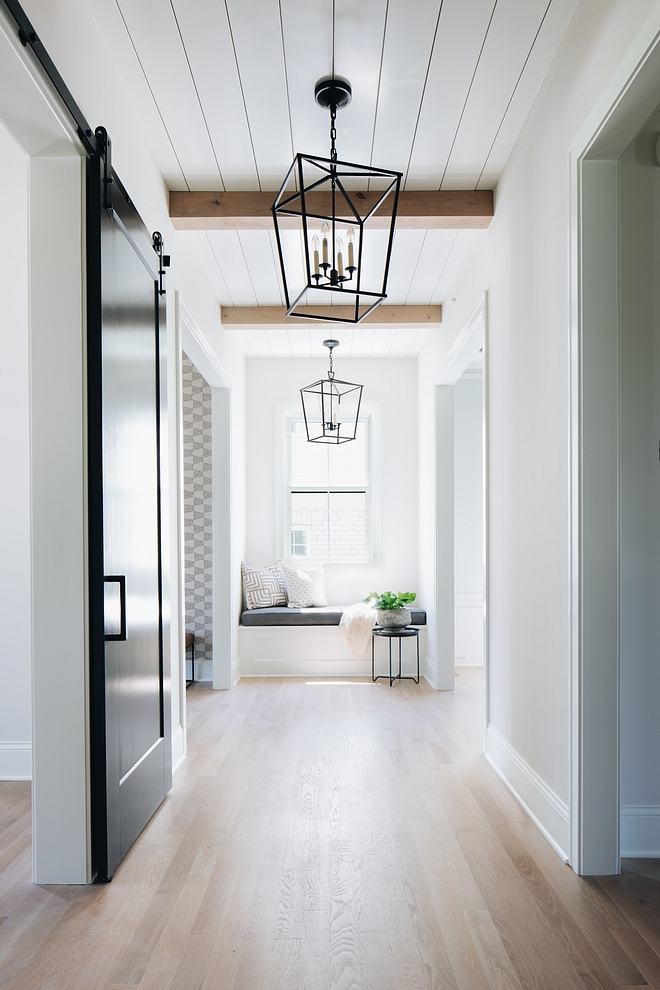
333, 133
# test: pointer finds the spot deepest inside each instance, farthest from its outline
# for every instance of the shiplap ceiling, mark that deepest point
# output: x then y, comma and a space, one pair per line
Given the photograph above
224, 91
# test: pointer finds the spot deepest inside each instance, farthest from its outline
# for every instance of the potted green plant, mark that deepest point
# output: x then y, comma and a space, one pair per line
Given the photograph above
391, 609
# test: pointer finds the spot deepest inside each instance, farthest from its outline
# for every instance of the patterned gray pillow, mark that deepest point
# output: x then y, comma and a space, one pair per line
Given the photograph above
264, 586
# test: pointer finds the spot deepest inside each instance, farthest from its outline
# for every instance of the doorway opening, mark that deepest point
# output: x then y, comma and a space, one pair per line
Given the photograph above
197, 420
468, 415
461, 504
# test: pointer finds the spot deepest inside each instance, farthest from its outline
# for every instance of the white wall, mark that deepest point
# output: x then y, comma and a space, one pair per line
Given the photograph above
15, 620
640, 495
390, 386
522, 260
468, 519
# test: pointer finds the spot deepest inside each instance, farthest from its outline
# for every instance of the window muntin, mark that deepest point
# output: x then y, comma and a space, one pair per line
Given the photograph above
328, 496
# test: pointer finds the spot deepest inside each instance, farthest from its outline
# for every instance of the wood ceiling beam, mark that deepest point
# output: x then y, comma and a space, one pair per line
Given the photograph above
275, 318
418, 210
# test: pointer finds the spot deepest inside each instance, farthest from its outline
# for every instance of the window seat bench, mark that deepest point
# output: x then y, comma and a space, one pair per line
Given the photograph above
270, 646
329, 615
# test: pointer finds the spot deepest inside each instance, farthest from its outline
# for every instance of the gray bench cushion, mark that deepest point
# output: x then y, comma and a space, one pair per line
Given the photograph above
328, 616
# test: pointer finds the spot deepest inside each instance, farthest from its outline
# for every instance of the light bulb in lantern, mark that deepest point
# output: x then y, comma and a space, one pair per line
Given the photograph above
324, 231
340, 257
315, 249
350, 237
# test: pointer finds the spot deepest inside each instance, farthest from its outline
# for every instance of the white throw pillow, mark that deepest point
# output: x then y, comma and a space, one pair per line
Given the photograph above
306, 589
264, 586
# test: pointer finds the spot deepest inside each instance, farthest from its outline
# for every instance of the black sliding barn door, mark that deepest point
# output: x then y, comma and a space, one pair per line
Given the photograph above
130, 711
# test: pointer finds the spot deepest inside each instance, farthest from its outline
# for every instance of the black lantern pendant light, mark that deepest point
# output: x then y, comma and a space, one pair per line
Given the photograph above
331, 407
345, 230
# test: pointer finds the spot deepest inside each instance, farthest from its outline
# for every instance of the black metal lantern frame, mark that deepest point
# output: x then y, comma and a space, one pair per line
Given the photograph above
326, 421
322, 201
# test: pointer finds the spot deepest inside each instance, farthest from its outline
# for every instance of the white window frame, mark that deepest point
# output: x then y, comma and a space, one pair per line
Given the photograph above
288, 489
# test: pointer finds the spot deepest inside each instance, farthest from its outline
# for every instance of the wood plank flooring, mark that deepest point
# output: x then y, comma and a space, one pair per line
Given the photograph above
330, 836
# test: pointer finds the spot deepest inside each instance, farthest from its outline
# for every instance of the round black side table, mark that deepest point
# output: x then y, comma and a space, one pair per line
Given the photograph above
390, 634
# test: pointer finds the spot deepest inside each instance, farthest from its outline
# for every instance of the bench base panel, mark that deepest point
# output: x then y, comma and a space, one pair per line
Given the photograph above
317, 651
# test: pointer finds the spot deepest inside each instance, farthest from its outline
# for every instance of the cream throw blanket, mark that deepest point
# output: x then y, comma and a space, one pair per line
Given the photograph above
357, 623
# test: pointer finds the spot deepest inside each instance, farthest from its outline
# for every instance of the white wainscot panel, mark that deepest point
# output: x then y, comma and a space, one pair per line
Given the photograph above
315, 651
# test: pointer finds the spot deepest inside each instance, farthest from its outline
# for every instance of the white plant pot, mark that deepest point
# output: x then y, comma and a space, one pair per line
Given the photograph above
394, 618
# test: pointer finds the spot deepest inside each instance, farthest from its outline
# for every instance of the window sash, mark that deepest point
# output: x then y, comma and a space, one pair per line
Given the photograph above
363, 489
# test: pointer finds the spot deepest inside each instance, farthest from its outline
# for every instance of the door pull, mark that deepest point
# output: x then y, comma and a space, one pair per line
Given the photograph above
119, 579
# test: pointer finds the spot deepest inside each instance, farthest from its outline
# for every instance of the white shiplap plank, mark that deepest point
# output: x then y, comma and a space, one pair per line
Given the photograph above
405, 255
374, 253
510, 38
258, 255
259, 342
346, 337
242, 340
430, 264
231, 262
207, 40
299, 341
418, 342
292, 250
107, 15
461, 34
382, 342
402, 341
540, 57
363, 337
200, 241
257, 37
278, 341
154, 32
407, 50
456, 257
317, 334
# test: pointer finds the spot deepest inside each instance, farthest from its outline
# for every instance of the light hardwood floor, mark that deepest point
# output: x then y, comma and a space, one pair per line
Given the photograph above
330, 835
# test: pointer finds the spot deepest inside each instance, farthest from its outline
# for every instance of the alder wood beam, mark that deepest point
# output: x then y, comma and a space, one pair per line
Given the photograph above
418, 210
274, 317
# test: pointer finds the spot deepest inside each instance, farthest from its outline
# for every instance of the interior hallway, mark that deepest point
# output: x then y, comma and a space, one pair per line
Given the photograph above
329, 835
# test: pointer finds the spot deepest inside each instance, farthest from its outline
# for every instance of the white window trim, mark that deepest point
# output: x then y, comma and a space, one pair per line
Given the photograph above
370, 414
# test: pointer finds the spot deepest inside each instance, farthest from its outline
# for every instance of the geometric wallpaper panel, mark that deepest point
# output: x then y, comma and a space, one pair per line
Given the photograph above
197, 508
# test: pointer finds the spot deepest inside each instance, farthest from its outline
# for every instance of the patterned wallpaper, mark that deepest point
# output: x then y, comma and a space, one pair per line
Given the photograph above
197, 508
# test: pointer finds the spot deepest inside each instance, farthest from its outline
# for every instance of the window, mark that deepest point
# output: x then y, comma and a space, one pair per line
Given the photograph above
298, 542
328, 515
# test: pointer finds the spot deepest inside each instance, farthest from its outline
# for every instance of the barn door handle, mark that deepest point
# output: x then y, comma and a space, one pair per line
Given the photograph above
119, 579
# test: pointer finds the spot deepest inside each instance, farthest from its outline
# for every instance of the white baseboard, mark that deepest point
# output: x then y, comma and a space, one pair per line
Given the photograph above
428, 670
203, 670
469, 653
178, 748
15, 761
640, 831
547, 811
